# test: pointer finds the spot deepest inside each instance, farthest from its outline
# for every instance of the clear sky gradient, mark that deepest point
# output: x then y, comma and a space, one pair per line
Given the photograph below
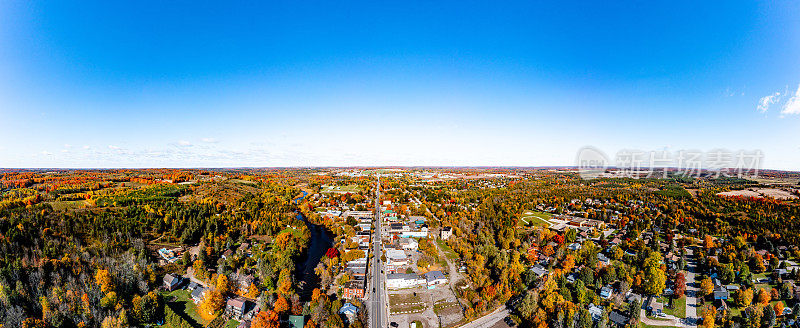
256, 83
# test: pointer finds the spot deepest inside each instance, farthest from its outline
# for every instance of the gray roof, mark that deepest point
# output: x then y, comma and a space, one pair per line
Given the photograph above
618, 318
198, 293
434, 275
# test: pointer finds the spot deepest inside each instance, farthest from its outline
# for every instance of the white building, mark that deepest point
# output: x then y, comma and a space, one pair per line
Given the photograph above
421, 233
403, 280
446, 232
409, 244
434, 278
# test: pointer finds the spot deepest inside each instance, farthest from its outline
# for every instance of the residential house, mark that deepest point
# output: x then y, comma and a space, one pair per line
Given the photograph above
606, 292
539, 270
198, 294
595, 311
720, 291
235, 308
349, 311
409, 244
618, 318
446, 233
434, 278
172, 282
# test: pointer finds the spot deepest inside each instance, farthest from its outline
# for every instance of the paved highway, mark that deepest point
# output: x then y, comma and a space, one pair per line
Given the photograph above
377, 295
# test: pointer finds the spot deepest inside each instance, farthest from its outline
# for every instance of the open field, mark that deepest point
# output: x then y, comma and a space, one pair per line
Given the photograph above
180, 302
448, 252
68, 204
534, 218
341, 189
760, 193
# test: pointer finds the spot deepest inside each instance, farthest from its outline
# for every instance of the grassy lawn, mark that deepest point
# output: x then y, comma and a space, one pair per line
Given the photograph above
533, 218
448, 252
232, 324
181, 302
643, 325
341, 189
678, 308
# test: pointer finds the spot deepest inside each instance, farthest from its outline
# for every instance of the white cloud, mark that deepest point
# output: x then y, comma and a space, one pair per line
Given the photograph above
184, 143
209, 140
792, 106
113, 147
765, 102
67, 146
86, 147
46, 153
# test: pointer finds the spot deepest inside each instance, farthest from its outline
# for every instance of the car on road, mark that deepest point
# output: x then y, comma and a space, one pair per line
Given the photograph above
393, 324
661, 315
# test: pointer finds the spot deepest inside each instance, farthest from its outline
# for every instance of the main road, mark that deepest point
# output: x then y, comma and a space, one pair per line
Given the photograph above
377, 295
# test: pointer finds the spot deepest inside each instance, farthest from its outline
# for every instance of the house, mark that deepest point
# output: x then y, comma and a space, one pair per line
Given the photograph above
572, 277
434, 278
574, 246
192, 285
409, 244
198, 294
720, 291
353, 289
349, 311
539, 270
235, 308
606, 292
604, 260
446, 233
655, 307
403, 280
172, 282
595, 311
618, 318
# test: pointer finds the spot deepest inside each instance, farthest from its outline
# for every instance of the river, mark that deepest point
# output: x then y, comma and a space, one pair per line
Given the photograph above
321, 239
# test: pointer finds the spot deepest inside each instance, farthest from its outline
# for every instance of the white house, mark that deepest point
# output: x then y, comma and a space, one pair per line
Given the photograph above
446, 232
434, 278
409, 244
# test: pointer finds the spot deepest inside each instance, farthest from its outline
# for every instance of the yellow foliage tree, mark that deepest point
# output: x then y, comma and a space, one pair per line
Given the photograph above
210, 305
103, 278
763, 297
222, 284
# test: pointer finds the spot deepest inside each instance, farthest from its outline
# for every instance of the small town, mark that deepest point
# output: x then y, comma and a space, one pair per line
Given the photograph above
405, 164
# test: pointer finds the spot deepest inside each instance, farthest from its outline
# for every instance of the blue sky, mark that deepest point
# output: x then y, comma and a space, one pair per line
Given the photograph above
202, 84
